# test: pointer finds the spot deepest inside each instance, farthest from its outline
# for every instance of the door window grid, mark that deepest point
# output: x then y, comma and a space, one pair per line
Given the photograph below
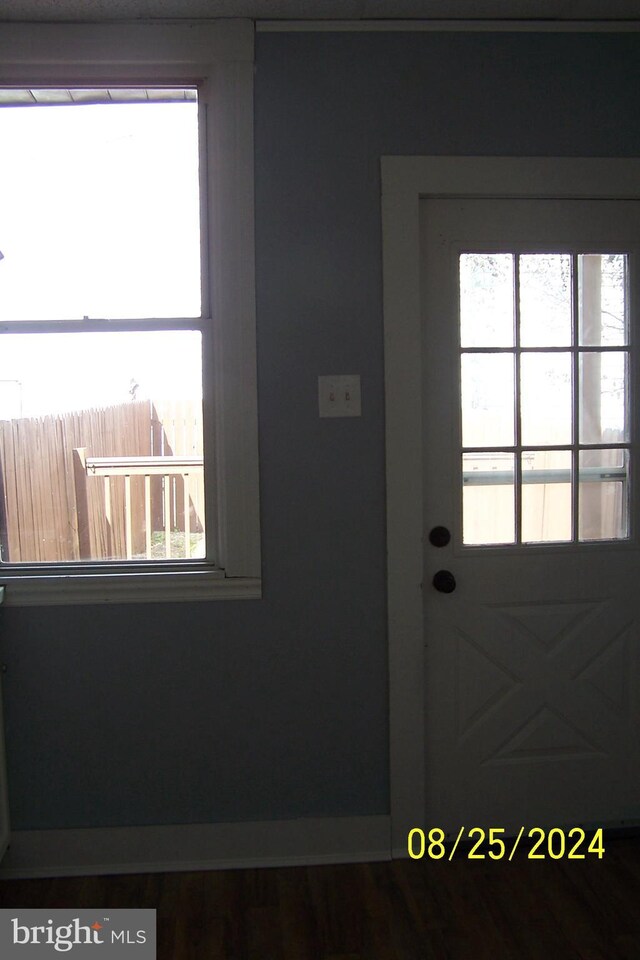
583, 470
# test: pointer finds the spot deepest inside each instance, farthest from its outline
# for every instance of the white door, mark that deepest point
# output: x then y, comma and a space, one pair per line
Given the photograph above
532, 660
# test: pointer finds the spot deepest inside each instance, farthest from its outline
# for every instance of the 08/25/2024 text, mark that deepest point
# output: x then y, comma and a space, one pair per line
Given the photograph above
555, 844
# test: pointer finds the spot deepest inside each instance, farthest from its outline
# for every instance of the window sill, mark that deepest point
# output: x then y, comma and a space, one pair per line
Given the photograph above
56, 588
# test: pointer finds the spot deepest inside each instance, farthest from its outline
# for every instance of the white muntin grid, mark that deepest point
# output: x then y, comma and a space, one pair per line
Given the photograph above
516, 453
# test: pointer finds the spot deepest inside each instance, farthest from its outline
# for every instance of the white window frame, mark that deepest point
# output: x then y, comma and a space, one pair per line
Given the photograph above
218, 57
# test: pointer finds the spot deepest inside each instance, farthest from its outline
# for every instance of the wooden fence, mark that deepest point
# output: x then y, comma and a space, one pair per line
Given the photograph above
39, 518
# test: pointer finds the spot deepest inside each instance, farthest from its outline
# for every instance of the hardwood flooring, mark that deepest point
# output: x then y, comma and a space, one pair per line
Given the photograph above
433, 910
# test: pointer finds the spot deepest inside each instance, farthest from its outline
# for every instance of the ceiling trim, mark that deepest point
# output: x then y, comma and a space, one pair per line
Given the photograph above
448, 26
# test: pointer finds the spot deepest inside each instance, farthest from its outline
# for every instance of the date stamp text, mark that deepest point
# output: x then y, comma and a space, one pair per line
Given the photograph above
553, 844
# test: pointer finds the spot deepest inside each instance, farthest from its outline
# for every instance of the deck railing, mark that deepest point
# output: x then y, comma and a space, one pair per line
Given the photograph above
180, 479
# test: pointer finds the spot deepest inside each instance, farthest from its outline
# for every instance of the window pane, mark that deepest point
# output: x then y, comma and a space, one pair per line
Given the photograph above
486, 300
101, 446
487, 400
602, 313
100, 211
546, 496
488, 502
603, 414
604, 495
545, 300
546, 401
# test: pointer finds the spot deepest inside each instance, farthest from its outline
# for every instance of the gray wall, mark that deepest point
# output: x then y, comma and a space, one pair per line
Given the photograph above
278, 708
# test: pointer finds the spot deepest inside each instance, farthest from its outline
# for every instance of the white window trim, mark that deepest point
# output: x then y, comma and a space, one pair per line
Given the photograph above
218, 55
405, 181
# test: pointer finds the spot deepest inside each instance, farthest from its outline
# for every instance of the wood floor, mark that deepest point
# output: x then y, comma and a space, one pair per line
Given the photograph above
432, 910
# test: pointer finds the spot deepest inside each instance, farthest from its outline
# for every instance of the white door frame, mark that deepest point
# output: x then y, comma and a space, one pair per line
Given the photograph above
405, 181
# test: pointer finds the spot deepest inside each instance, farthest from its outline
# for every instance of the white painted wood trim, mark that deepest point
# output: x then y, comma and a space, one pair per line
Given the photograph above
403, 418
59, 853
232, 396
219, 56
599, 178
131, 587
448, 26
50, 48
5, 835
405, 181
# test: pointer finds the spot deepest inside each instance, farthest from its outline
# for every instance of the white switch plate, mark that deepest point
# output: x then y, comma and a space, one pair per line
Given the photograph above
339, 396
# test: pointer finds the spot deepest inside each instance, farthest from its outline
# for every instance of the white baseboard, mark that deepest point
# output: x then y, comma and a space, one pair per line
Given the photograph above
204, 846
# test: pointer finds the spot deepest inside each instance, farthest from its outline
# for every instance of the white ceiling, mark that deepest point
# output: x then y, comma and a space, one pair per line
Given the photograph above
97, 10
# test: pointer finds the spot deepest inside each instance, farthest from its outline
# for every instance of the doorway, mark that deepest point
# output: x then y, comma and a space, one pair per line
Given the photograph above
542, 717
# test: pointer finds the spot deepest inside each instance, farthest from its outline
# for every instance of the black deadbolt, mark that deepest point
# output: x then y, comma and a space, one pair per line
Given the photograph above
439, 537
444, 581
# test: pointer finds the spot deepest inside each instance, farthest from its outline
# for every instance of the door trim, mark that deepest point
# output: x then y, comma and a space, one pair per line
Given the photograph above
406, 181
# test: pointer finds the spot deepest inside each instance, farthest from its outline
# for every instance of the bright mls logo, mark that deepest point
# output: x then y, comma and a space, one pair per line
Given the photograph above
81, 933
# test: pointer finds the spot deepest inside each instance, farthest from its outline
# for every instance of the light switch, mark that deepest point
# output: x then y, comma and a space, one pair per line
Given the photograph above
339, 396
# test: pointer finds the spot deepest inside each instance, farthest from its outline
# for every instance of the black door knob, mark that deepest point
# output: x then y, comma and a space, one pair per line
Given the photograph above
444, 581
439, 537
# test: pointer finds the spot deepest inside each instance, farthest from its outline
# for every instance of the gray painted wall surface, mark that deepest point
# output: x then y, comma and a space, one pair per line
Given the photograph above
278, 709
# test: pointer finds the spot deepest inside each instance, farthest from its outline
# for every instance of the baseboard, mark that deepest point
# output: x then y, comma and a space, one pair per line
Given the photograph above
205, 846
